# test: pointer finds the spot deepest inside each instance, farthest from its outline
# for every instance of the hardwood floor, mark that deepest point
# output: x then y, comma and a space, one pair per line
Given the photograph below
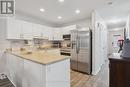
78, 79
83, 80
5, 83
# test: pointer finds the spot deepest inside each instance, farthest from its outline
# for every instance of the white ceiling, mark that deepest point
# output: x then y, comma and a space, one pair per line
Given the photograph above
53, 9
115, 15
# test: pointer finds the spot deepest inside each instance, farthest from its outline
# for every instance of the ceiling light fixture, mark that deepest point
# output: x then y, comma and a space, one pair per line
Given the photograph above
61, 0
59, 17
42, 9
77, 11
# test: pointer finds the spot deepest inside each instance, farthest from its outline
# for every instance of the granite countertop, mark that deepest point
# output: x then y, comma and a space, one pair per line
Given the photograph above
41, 57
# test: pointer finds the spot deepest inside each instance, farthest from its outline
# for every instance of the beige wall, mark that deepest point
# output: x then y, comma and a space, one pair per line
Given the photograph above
111, 33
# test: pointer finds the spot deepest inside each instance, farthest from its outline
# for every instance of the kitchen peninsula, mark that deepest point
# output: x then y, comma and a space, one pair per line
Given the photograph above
38, 69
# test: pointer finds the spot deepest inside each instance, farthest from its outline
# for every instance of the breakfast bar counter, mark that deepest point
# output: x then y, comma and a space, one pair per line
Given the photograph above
38, 69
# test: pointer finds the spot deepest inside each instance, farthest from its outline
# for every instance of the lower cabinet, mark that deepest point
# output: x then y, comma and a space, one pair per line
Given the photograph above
58, 74
119, 72
15, 69
33, 74
26, 73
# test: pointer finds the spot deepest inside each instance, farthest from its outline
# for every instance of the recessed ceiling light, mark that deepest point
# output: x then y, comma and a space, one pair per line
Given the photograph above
77, 11
59, 17
42, 9
61, 0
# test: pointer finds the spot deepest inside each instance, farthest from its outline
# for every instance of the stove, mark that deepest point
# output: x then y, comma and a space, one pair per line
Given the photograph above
65, 51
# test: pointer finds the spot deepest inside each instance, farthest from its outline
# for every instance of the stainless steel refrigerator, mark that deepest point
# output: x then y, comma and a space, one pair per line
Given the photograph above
81, 50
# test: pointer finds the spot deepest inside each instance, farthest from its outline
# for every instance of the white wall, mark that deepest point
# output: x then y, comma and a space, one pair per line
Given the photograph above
99, 45
128, 26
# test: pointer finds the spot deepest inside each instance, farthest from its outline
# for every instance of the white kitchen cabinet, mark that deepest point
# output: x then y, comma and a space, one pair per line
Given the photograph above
18, 29
14, 29
26, 73
42, 31
37, 29
15, 69
45, 32
67, 30
57, 34
33, 74
27, 30
58, 74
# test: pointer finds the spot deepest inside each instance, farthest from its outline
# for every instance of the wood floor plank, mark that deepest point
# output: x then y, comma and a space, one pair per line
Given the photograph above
83, 80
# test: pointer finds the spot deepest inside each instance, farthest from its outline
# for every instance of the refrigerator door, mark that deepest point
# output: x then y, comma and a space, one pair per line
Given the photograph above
74, 62
84, 51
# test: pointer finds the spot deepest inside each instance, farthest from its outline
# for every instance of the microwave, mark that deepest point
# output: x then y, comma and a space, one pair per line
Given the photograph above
67, 37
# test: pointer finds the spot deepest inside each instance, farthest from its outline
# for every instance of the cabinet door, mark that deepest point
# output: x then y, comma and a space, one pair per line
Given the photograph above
15, 69
58, 74
66, 30
19, 71
45, 32
50, 33
57, 34
14, 29
11, 68
33, 74
27, 30
37, 29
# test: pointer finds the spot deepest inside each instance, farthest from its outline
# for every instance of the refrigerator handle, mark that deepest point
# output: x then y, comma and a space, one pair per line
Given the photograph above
72, 44
78, 44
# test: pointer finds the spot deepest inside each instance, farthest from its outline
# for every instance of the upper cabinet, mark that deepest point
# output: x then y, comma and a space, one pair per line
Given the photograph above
57, 34
14, 29
37, 29
67, 30
18, 29
42, 31
27, 30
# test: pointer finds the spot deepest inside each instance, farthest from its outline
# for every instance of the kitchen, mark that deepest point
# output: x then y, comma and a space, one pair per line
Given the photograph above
48, 45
